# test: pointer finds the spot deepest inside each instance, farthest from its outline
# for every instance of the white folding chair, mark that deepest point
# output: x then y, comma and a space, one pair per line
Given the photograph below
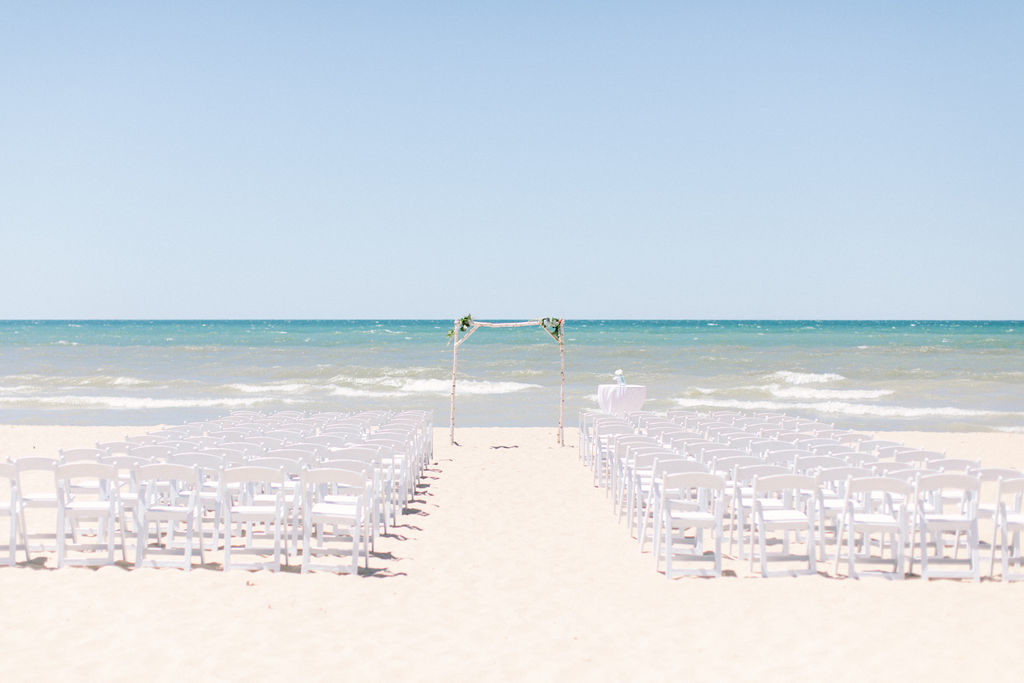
87, 491
1009, 523
947, 503
874, 505
252, 497
36, 488
691, 500
168, 494
786, 503
11, 506
334, 509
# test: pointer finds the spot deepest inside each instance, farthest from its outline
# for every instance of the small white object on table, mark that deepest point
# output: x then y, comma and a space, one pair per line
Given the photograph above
619, 399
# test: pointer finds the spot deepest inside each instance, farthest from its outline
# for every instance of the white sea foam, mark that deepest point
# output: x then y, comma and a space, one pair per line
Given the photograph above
136, 403
804, 377
352, 392
271, 388
127, 381
810, 394
843, 408
466, 386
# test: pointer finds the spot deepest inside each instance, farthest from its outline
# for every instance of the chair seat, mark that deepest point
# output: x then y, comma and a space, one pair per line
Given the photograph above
40, 498
91, 506
692, 517
874, 520
785, 516
169, 512
948, 521
252, 512
334, 510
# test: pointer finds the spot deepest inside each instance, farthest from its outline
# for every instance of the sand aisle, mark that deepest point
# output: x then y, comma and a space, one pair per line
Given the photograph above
511, 565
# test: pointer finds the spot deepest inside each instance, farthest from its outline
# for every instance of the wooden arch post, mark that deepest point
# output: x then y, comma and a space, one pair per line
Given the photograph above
555, 327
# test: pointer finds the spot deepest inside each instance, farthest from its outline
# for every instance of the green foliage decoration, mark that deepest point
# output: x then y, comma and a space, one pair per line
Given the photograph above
465, 323
553, 326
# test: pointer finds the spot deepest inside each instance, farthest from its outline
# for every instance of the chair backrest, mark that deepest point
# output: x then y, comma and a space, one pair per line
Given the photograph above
79, 455
329, 479
939, 491
665, 466
955, 465
297, 455
202, 441
787, 457
262, 477
898, 487
1013, 487
745, 474
115, 447
125, 462
291, 467
70, 476
917, 456
760, 447
794, 488
694, 491
720, 453
317, 450
872, 445
832, 476
727, 465
152, 451
205, 460
331, 440
805, 465
183, 475
250, 449
996, 473
267, 442
143, 439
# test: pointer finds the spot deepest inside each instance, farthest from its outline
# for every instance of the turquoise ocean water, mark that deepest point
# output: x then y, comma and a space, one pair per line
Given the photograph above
931, 375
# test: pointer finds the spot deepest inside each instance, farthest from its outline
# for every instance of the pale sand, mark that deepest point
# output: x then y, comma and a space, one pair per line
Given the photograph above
511, 565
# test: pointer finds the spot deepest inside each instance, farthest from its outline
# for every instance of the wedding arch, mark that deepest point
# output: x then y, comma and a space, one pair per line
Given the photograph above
555, 327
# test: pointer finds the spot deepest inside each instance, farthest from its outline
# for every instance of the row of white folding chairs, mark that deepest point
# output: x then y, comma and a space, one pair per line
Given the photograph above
795, 461
864, 511
388, 469
637, 470
329, 498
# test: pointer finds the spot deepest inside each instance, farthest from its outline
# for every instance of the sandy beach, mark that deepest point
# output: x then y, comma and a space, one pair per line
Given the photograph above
509, 565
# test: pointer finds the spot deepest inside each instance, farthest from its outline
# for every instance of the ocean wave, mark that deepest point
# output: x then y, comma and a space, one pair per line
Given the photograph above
271, 388
351, 392
466, 386
139, 403
790, 377
843, 408
808, 393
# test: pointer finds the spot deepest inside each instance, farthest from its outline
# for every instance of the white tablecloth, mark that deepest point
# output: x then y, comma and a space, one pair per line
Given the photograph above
620, 398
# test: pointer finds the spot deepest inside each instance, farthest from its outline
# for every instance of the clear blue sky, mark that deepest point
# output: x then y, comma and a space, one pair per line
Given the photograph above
512, 159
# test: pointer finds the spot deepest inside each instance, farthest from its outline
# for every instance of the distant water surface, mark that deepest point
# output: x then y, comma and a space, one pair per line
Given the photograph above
875, 375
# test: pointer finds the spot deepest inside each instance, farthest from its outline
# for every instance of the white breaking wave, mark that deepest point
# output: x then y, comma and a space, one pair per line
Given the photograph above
135, 403
360, 393
807, 393
842, 408
127, 381
466, 386
804, 377
271, 388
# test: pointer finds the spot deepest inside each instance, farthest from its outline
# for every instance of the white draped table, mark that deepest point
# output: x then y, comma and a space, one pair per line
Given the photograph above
620, 398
